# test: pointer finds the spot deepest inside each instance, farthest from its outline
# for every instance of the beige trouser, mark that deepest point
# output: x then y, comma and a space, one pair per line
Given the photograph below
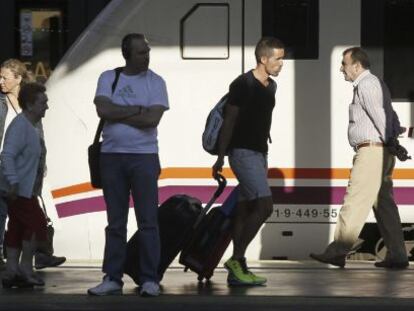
370, 186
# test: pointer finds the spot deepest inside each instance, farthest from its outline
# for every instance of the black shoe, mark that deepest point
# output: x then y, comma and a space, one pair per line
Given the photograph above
16, 281
34, 279
45, 261
388, 264
338, 261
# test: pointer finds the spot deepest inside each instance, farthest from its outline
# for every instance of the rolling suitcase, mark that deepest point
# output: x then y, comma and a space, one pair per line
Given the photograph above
176, 217
210, 239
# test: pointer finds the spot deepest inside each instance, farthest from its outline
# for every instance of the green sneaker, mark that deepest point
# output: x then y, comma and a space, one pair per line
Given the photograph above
237, 276
258, 280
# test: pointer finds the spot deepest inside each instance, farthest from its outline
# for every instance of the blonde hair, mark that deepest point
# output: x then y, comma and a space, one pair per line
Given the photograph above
19, 69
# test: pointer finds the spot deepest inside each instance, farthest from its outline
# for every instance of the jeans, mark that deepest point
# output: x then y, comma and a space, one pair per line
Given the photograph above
122, 175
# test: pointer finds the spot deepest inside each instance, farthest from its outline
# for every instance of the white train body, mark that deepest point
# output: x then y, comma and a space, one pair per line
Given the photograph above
309, 158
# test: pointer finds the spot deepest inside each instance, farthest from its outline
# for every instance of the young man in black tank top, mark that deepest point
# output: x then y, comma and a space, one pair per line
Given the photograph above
243, 137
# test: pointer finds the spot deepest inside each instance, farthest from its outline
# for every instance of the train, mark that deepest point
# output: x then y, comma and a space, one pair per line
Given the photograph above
199, 48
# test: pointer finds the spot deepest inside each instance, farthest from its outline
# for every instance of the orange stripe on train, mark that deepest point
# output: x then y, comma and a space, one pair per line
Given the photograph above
275, 173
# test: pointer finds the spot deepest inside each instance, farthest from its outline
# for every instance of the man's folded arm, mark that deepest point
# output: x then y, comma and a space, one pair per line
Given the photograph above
109, 111
148, 117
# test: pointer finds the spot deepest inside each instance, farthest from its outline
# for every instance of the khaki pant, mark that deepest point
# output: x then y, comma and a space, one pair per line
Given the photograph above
370, 186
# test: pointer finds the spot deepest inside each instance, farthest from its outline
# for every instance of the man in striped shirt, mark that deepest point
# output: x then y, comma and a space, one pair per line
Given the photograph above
372, 124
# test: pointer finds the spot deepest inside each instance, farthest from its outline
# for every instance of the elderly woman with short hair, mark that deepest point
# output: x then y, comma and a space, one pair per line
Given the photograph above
22, 169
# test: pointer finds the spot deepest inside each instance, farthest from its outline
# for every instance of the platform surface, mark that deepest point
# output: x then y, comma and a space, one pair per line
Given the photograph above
298, 286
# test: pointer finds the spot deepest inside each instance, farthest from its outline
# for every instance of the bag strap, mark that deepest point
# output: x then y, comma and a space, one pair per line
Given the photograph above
118, 71
43, 205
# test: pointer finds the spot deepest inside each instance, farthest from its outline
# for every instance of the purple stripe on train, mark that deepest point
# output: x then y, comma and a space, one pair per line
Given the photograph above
281, 195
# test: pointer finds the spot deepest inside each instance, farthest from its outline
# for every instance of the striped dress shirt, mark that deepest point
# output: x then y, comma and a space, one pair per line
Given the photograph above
371, 116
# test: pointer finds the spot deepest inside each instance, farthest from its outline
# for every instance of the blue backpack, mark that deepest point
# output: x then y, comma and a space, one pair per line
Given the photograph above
213, 126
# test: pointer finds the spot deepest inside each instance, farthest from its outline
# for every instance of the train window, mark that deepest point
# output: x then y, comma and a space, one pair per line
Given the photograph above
296, 23
399, 49
204, 32
40, 38
387, 25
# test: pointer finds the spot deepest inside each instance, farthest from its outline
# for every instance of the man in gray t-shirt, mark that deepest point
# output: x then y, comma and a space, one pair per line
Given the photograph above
130, 163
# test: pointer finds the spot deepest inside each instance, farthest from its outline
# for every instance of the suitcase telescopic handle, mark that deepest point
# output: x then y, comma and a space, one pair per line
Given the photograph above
222, 182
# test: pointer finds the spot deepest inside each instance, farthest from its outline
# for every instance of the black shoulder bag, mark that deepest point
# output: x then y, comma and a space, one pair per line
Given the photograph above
94, 150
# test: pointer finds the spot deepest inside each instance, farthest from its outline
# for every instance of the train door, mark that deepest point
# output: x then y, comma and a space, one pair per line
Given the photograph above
203, 56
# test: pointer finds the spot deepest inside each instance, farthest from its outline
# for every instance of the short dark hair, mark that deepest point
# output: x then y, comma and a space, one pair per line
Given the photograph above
28, 93
358, 55
126, 43
265, 47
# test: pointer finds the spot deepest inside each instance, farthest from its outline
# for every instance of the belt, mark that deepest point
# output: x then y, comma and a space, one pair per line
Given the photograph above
367, 144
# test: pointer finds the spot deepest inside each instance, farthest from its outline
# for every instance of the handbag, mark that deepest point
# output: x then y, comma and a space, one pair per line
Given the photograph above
50, 230
94, 150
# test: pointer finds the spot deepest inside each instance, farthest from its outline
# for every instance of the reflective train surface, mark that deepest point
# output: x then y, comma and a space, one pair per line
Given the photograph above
199, 48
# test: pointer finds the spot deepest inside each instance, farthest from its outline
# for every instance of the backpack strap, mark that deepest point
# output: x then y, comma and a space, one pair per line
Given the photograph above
118, 71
